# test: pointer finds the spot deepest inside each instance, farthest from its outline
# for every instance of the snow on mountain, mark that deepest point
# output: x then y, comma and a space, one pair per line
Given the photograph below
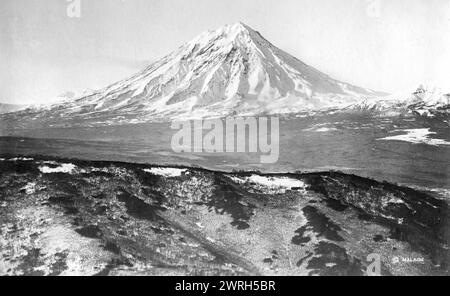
232, 70
424, 101
8, 108
65, 98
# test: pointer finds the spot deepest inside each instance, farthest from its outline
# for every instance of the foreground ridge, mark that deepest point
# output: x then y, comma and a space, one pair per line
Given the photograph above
125, 218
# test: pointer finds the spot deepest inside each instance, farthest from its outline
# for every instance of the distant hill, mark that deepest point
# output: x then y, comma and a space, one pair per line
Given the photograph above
8, 108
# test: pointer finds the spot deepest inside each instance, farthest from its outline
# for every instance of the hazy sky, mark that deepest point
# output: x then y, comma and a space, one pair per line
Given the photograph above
387, 45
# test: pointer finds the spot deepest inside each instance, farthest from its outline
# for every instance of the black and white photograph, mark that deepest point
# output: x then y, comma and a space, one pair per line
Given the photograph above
224, 139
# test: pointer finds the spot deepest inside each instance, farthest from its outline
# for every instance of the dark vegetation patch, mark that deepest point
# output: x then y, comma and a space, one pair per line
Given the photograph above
65, 200
72, 211
65, 191
90, 231
318, 223
268, 261
10, 185
274, 255
162, 229
122, 232
67, 183
421, 220
19, 167
335, 204
30, 262
296, 188
148, 179
153, 193
365, 217
379, 238
112, 247
60, 265
332, 260
240, 225
300, 238
100, 174
100, 210
303, 259
100, 195
137, 208
227, 200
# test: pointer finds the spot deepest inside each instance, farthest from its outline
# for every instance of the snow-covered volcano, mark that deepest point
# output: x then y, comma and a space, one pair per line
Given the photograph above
232, 70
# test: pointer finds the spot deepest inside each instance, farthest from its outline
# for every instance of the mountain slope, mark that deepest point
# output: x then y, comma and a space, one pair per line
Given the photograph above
424, 101
131, 219
7, 108
232, 70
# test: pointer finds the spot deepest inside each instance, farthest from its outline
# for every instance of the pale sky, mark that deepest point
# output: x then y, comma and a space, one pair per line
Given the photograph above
386, 45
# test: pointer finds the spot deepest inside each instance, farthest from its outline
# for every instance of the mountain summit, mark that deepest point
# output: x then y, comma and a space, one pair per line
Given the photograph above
231, 70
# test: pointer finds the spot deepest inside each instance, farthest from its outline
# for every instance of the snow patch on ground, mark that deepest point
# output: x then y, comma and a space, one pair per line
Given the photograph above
50, 162
30, 188
277, 182
102, 170
320, 128
272, 184
417, 136
166, 172
63, 168
336, 168
21, 159
325, 129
